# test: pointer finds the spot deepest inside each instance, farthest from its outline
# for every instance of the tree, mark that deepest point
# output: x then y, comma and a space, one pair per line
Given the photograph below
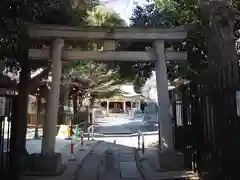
170, 13
104, 17
100, 76
101, 82
97, 16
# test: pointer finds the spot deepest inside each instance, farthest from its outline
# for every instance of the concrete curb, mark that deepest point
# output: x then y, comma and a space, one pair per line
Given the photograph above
148, 173
144, 171
75, 175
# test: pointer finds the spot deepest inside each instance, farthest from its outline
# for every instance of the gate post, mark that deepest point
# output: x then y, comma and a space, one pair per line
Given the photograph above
48, 162
107, 107
163, 97
168, 158
50, 129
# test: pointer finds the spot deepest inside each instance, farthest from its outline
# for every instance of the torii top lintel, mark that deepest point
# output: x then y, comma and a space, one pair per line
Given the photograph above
41, 31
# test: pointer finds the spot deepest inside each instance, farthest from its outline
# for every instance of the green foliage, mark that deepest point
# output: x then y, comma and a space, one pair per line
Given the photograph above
104, 17
104, 78
80, 9
102, 81
177, 13
171, 13
15, 15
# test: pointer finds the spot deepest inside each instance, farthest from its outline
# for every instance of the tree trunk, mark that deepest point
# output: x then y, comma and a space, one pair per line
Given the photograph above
22, 106
222, 48
224, 77
75, 110
63, 100
38, 111
19, 154
75, 107
14, 143
92, 99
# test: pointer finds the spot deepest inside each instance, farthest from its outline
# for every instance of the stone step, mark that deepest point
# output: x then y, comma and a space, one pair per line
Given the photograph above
88, 173
184, 174
89, 169
165, 175
129, 170
111, 175
124, 157
149, 172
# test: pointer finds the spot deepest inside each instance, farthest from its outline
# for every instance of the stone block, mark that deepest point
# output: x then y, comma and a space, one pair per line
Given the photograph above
45, 164
170, 160
109, 159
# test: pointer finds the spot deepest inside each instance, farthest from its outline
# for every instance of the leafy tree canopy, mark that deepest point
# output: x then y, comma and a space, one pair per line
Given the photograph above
104, 79
171, 13
104, 17
16, 14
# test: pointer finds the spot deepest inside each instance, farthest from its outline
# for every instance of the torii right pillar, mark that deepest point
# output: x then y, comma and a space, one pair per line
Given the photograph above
169, 159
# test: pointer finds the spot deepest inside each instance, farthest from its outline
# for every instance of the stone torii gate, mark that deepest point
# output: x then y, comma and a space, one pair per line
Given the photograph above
56, 53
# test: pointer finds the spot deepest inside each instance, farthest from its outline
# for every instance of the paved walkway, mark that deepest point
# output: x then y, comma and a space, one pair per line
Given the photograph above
91, 163
91, 158
124, 166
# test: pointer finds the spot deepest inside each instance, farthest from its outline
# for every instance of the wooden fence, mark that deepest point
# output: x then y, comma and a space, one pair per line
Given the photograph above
80, 116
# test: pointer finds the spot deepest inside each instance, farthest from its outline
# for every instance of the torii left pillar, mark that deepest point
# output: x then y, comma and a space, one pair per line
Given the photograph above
50, 124
49, 161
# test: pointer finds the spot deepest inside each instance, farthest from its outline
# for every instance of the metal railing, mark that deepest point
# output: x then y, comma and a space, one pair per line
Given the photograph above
91, 132
141, 135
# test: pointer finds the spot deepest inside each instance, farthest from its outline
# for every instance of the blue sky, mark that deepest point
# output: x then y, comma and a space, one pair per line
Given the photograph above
123, 7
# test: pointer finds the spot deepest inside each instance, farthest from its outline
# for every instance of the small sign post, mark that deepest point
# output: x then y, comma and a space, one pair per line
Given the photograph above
2, 106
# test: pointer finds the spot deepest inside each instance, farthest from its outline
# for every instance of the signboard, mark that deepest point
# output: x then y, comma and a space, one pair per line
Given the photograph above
238, 102
4, 91
116, 97
64, 132
2, 106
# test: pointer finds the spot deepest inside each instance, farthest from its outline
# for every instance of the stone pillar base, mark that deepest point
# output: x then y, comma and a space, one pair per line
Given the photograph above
170, 160
45, 165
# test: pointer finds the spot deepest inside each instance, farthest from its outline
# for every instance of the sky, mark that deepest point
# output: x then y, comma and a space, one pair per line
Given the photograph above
123, 7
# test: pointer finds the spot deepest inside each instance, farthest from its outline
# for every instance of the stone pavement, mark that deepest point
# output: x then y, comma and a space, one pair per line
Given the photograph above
123, 167
126, 163
81, 153
148, 166
91, 163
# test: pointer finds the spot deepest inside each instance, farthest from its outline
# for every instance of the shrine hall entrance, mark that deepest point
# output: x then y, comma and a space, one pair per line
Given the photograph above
116, 107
